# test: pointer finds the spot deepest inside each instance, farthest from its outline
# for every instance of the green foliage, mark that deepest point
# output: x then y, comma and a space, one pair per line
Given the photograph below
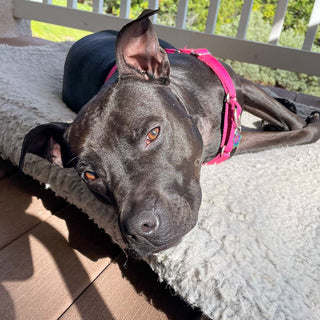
297, 15
259, 28
197, 15
198, 12
267, 8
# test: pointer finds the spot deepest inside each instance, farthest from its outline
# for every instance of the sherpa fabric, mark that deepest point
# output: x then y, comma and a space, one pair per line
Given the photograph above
255, 252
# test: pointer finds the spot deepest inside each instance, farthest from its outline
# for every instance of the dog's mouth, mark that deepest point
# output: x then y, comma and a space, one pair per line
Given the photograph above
141, 252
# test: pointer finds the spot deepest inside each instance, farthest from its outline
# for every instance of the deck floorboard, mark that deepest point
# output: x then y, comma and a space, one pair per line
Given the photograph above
129, 290
42, 274
24, 203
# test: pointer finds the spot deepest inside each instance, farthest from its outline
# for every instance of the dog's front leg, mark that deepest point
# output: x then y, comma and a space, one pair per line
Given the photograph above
257, 141
293, 130
260, 104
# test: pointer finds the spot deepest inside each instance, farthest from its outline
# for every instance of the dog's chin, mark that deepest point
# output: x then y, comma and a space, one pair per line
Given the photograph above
141, 253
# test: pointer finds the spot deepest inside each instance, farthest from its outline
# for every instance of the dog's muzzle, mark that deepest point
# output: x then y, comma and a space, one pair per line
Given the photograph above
147, 231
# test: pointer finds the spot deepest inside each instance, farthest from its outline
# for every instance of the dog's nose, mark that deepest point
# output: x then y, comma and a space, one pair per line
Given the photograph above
140, 226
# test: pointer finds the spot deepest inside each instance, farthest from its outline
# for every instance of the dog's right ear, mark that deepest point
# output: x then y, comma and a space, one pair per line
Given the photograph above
138, 52
47, 141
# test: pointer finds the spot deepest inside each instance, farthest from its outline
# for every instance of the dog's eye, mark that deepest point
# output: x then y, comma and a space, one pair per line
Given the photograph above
153, 134
90, 176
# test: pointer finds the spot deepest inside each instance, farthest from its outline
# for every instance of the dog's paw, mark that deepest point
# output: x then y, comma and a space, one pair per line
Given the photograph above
269, 127
314, 118
313, 127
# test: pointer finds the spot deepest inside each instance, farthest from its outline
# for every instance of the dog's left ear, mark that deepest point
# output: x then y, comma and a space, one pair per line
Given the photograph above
47, 141
138, 52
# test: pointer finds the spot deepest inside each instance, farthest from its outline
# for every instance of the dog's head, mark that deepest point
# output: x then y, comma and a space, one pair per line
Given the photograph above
134, 145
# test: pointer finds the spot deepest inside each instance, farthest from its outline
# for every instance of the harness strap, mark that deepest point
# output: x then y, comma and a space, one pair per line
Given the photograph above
110, 74
231, 126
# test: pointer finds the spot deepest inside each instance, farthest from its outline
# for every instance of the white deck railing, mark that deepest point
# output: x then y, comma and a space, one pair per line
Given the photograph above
267, 54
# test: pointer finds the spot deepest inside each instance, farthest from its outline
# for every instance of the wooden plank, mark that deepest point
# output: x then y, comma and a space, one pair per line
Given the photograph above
131, 293
223, 47
24, 203
312, 26
244, 19
42, 275
278, 22
6, 169
212, 16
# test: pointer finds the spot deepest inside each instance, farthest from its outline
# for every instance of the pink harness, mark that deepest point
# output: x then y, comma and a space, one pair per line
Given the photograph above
231, 134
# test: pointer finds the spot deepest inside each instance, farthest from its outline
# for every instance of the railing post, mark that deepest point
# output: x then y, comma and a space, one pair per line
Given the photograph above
224, 47
12, 26
244, 20
97, 6
278, 22
154, 4
182, 14
312, 26
212, 16
72, 4
125, 8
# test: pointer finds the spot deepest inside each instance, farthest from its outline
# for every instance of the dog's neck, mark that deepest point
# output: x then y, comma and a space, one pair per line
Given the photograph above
202, 95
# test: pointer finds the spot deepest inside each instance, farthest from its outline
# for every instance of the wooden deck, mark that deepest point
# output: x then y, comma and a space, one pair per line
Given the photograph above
56, 264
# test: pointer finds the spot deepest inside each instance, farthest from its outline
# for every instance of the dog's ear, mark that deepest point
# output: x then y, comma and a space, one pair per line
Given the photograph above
47, 141
138, 52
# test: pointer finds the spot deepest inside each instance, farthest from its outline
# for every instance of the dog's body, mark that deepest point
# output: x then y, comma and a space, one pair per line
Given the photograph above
139, 139
87, 66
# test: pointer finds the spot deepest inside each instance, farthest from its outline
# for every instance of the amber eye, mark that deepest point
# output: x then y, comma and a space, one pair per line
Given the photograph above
90, 176
153, 134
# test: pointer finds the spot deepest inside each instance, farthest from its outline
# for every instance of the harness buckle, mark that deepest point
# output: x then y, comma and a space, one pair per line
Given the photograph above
200, 54
222, 151
237, 119
228, 98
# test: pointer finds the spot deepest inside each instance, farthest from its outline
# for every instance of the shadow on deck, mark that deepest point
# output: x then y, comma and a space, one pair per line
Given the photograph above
56, 263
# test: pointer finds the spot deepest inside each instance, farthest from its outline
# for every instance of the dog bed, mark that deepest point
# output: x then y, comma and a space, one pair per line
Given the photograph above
255, 252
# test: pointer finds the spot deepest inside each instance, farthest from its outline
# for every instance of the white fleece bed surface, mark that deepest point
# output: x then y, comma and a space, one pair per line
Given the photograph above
255, 252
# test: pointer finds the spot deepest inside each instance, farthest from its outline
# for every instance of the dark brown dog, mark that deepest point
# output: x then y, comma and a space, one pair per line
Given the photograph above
140, 139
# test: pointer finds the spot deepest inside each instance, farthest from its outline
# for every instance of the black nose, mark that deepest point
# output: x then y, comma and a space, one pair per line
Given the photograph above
140, 226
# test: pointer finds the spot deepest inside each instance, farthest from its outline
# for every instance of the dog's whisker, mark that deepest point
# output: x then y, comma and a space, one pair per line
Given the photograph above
125, 264
72, 159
